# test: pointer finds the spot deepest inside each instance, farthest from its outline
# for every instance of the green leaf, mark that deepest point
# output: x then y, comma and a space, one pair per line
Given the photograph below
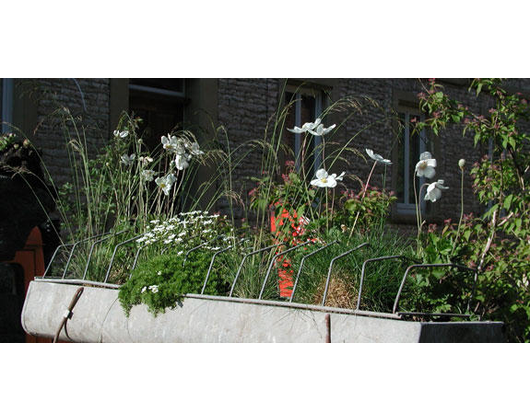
491, 210
350, 205
508, 202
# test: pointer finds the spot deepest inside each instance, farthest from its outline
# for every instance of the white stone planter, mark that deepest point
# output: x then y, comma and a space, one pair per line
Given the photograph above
98, 317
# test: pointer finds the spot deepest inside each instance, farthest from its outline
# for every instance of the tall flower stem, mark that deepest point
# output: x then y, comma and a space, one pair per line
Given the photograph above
418, 213
362, 197
461, 209
419, 220
327, 211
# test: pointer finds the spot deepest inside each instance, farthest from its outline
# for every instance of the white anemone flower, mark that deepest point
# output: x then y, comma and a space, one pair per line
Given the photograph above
320, 130
166, 182
434, 190
378, 158
144, 160
306, 127
425, 167
128, 160
324, 180
166, 142
148, 174
172, 144
181, 162
316, 128
195, 150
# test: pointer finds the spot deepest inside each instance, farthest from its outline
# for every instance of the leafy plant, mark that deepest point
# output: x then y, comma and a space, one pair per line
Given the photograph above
162, 282
497, 243
369, 210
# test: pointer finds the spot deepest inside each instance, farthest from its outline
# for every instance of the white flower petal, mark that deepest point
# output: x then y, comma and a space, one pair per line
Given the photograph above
425, 167
429, 172
327, 130
377, 157
441, 185
433, 195
321, 173
425, 156
434, 190
296, 130
181, 162
431, 162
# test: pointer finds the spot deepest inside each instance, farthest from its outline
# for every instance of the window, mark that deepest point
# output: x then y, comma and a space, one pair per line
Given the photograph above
160, 104
411, 144
6, 104
307, 106
170, 87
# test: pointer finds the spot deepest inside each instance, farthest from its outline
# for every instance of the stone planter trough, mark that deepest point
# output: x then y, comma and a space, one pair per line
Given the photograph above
98, 317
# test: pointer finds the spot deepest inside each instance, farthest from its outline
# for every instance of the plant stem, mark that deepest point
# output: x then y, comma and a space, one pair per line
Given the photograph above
461, 210
327, 216
419, 221
362, 197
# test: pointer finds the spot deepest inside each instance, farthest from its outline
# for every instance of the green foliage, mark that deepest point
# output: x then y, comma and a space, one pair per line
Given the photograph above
382, 278
497, 244
162, 281
369, 211
443, 289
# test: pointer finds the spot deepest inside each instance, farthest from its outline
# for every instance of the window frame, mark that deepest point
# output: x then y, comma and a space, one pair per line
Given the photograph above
168, 93
405, 211
408, 206
166, 99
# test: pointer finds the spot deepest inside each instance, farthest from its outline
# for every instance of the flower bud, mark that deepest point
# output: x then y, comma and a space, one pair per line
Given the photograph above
462, 163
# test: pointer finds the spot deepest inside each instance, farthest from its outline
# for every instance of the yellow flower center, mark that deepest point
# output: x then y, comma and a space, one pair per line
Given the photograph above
423, 164
324, 180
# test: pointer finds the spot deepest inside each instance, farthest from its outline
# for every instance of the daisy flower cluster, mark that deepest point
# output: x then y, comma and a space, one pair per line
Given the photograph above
188, 228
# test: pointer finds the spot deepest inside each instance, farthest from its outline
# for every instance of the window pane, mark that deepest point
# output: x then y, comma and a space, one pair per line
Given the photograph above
414, 156
409, 150
305, 106
308, 114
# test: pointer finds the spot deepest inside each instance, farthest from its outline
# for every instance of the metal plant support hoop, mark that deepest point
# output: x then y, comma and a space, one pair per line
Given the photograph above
395, 314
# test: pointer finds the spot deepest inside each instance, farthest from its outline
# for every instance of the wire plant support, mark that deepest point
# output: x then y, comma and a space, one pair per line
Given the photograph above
234, 317
395, 313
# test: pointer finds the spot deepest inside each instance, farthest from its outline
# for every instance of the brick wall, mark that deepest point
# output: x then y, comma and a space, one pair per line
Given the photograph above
245, 106
89, 105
